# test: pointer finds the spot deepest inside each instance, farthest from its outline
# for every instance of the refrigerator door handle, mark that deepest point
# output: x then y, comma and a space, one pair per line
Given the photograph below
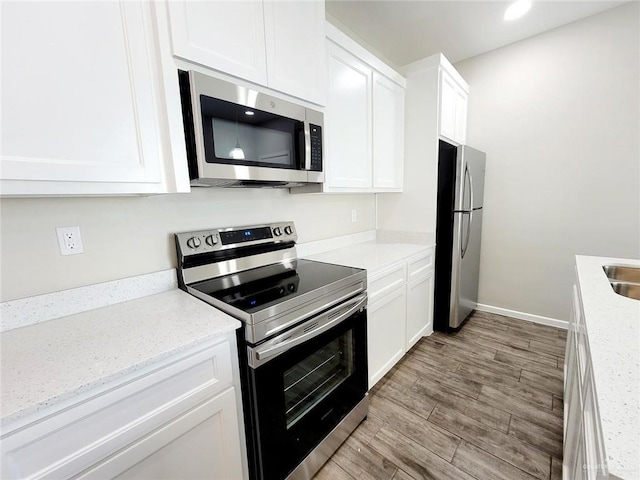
466, 242
466, 172
467, 176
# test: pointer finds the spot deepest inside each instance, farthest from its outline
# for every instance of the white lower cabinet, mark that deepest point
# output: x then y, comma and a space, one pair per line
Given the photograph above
583, 455
198, 444
419, 308
400, 311
386, 327
179, 418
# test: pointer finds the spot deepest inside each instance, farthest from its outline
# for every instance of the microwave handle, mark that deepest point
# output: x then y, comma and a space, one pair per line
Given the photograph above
307, 145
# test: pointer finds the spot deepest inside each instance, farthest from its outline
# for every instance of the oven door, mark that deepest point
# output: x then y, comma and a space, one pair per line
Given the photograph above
304, 383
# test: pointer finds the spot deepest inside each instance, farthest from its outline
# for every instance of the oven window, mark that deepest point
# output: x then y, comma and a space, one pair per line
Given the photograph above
239, 135
316, 376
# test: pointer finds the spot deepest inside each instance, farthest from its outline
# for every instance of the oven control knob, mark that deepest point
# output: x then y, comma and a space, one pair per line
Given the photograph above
288, 230
211, 240
193, 242
281, 290
277, 231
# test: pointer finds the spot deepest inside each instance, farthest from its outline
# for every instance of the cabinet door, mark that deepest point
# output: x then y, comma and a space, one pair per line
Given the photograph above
202, 443
593, 441
573, 438
419, 309
224, 35
388, 133
79, 99
447, 106
348, 121
386, 327
295, 46
460, 134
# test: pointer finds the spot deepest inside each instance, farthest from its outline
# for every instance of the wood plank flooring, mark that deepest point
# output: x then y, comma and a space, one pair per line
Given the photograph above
484, 403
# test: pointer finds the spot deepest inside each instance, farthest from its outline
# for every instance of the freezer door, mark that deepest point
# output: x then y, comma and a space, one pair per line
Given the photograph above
470, 167
465, 265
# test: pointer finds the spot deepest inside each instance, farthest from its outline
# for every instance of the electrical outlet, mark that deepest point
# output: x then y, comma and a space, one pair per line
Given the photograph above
69, 240
354, 215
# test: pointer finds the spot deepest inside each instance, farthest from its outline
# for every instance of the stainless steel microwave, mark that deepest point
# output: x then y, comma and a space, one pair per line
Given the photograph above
239, 137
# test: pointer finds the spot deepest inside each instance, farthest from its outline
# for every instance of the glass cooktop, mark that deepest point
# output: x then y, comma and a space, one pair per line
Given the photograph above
263, 287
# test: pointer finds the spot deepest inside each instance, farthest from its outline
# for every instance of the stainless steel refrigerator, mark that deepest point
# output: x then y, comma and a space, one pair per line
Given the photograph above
458, 228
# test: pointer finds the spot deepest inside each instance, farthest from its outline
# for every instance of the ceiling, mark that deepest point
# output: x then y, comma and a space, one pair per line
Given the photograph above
403, 31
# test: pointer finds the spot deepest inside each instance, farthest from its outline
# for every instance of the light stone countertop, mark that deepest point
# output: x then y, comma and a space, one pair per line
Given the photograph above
90, 349
373, 255
49, 362
613, 333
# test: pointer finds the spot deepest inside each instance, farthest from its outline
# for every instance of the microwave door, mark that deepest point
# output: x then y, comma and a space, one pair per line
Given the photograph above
237, 136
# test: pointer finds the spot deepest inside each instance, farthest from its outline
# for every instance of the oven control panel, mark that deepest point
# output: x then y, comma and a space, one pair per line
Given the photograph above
218, 239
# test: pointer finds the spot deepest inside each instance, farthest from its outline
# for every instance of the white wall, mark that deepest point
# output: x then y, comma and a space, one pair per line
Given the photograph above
415, 208
126, 236
558, 115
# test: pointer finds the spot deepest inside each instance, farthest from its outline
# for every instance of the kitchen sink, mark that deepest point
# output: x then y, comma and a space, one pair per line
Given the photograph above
622, 273
631, 290
624, 280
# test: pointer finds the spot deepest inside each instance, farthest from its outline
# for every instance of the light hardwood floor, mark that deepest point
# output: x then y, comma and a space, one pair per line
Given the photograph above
484, 403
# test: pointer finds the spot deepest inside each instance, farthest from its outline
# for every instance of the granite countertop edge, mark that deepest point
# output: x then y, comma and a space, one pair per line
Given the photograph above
613, 333
162, 314
374, 255
104, 356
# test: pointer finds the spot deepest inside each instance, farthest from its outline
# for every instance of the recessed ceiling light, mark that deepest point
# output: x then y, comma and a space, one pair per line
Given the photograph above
248, 112
517, 9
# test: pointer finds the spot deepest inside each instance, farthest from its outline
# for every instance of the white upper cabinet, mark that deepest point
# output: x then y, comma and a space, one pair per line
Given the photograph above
295, 44
462, 99
364, 121
348, 121
454, 94
272, 43
83, 110
388, 133
224, 35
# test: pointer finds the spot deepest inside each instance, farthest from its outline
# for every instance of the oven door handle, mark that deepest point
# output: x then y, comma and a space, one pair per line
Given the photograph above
308, 330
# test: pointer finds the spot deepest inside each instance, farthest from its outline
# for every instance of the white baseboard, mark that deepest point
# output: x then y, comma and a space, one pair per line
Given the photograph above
553, 322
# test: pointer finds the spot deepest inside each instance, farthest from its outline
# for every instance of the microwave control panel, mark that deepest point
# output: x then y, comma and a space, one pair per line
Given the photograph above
316, 147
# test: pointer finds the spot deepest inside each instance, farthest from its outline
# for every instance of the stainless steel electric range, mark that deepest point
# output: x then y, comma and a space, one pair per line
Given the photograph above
302, 347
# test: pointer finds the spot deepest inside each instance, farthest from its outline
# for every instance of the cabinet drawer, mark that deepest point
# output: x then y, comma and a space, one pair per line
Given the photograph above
69, 441
420, 264
386, 281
